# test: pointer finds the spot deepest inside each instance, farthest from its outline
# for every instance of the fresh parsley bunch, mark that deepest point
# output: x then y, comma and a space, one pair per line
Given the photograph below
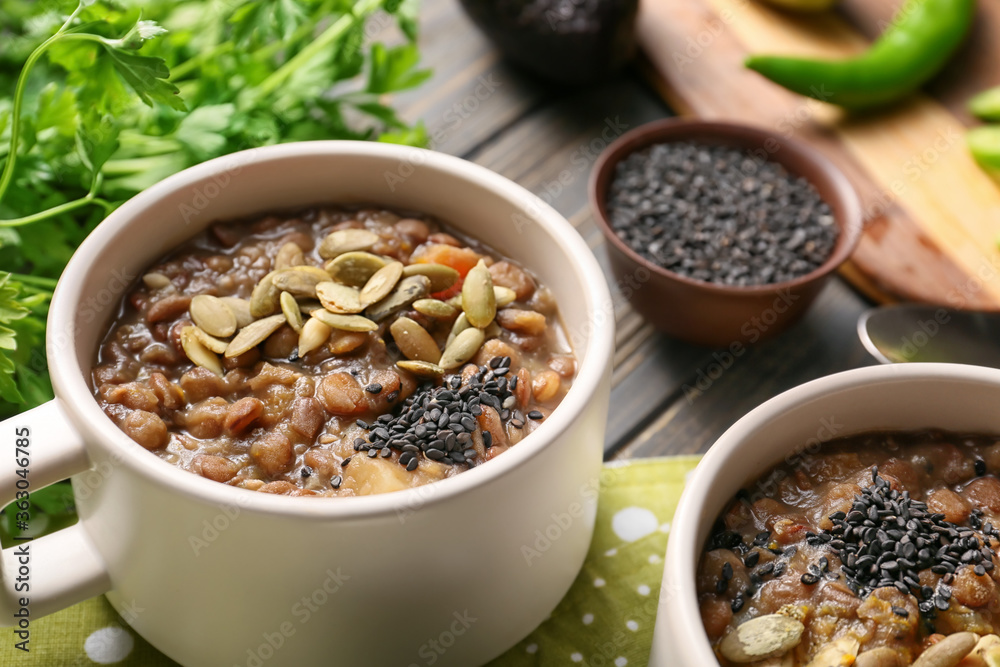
104, 99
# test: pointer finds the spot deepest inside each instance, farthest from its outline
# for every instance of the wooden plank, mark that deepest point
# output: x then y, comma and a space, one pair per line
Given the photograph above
932, 214
472, 94
714, 398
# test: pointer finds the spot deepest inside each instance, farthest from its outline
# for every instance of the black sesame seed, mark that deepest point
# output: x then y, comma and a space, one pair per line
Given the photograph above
535, 414
980, 467
336, 481
671, 226
899, 611
412, 465
738, 603
442, 419
752, 559
374, 388
727, 539
809, 579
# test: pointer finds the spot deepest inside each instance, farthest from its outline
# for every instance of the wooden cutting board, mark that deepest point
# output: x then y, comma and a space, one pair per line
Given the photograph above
932, 216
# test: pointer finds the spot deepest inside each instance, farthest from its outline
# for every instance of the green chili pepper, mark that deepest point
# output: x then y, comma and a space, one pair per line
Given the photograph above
920, 40
984, 143
986, 105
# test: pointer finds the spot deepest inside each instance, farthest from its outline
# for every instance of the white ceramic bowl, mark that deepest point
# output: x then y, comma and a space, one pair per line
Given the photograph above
213, 575
791, 427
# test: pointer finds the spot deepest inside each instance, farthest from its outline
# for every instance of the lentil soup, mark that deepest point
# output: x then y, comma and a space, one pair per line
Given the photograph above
879, 551
334, 351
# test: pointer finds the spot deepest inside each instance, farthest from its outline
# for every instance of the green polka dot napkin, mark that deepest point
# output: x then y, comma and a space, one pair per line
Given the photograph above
605, 620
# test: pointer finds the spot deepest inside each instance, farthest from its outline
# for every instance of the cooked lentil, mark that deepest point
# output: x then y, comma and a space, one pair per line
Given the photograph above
229, 396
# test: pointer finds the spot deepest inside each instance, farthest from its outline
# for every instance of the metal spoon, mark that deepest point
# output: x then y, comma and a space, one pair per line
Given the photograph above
916, 332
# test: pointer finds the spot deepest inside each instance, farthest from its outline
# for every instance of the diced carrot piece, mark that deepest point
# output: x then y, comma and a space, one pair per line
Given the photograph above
446, 294
460, 259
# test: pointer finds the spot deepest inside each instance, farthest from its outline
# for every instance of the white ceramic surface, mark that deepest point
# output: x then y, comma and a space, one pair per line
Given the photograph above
792, 426
216, 576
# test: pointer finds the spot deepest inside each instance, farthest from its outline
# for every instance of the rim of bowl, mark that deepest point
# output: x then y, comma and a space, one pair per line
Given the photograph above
72, 386
683, 550
735, 135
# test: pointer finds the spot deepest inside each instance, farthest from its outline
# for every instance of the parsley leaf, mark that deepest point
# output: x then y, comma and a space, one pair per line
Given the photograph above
147, 76
11, 310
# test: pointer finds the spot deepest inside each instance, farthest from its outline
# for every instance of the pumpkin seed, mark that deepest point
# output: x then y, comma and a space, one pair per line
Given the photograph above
492, 330
254, 334
300, 280
421, 368
434, 308
460, 325
761, 638
880, 657
345, 322
442, 277
414, 341
198, 353
346, 240
240, 308
314, 333
290, 308
837, 653
264, 300
463, 348
478, 300
381, 283
949, 651
407, 291
213, 315
504, 295
289, 255
987, 644
155, 281
211, 342
339, 298
354, 268
308, 305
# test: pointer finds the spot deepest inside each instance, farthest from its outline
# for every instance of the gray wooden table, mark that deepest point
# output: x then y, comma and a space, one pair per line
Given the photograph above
668, 397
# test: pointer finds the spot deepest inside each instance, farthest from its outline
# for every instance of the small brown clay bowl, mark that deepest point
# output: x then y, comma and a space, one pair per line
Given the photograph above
708, 313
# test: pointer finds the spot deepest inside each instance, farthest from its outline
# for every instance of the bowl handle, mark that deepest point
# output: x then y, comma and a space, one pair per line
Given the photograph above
39, 576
